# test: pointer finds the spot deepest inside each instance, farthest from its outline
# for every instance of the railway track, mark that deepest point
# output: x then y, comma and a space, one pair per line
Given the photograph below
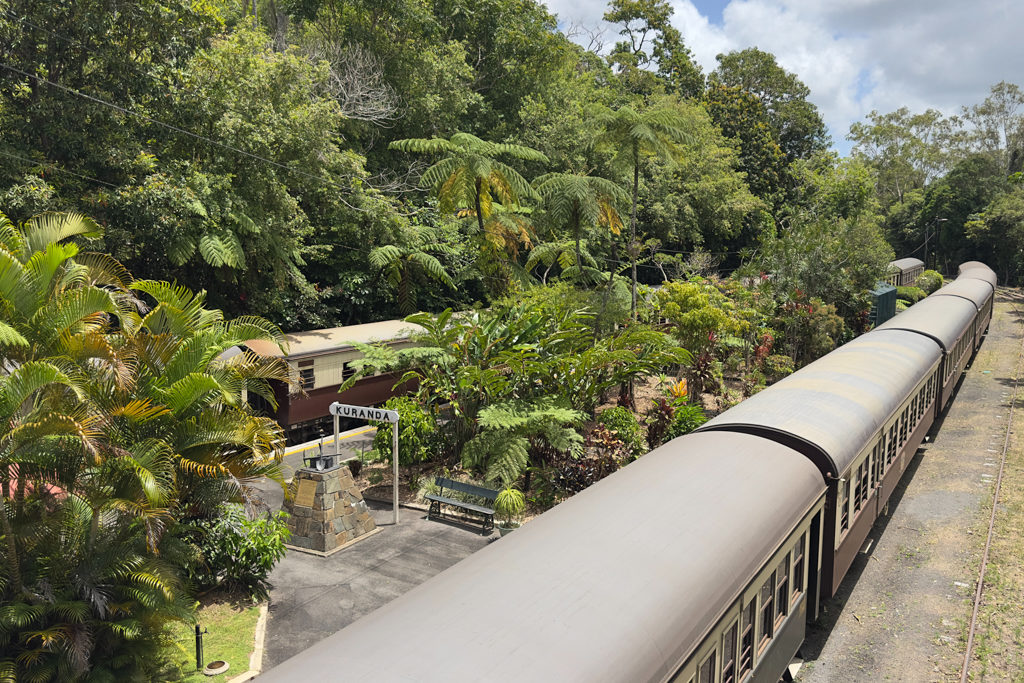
979, 591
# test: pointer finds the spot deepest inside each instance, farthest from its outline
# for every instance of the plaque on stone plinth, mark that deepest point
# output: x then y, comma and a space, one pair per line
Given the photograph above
326, 511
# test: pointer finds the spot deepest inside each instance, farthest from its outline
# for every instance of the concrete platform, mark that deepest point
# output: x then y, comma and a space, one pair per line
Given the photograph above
313, 597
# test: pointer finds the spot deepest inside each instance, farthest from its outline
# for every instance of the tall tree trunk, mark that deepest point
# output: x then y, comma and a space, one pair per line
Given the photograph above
479, 210
632, 225
13, 565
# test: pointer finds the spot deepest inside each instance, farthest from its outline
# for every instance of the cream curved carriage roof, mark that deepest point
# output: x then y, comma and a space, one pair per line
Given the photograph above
315, 342
615, 584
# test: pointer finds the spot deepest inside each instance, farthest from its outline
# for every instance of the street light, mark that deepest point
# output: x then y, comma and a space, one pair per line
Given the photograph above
927, 234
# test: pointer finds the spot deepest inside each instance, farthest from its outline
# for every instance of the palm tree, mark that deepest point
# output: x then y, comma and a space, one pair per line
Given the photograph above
470, 175
633, 135
403, 265
579, 201
118, 418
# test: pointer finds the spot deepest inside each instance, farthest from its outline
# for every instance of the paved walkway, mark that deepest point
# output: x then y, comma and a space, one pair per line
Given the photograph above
313, 597
901, 611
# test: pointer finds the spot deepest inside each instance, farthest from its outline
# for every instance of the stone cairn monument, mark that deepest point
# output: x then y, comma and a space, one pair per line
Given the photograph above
326, 511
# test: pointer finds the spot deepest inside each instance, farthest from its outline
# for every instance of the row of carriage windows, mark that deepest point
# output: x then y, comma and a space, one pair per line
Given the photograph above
867, 475
307, 378
751, 633
952, 360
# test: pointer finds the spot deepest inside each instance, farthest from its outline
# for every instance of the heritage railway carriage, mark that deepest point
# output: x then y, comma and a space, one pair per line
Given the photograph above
951, 322
978, 271
686, 562
319, 362
978, 292
701, 561
904, 272
859, 414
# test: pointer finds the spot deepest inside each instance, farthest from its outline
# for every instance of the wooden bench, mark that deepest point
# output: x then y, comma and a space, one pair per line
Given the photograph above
487, 494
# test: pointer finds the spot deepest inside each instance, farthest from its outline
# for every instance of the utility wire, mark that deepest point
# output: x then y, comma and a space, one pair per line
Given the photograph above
57, 168
174, 128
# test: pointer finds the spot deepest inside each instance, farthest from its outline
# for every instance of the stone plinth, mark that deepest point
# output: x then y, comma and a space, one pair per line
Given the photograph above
326, 511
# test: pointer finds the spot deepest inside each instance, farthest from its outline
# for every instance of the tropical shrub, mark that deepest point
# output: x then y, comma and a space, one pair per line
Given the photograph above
622, 423
910, 294
417, 432
776, 366
686, 419
509, 504
237, 552
929, 281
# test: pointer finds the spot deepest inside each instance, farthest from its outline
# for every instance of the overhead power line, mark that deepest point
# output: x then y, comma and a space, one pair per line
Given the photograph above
177, 129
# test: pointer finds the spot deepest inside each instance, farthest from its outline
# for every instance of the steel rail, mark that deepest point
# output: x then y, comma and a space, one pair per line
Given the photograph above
992, 519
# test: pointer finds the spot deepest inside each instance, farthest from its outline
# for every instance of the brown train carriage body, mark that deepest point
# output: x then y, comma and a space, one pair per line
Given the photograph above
319, 362
710, 581
859, 414
952, 323
973, 286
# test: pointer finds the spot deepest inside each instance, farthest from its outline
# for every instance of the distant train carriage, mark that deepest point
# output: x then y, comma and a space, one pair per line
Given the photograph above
319, 361
904, 272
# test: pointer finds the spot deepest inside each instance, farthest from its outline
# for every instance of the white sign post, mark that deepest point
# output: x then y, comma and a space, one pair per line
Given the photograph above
339, 410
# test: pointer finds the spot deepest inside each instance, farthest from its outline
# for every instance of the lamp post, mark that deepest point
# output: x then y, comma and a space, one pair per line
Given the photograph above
927, 234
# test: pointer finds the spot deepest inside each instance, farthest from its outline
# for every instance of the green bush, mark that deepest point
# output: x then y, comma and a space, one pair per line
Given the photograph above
624, 425
777, 366
929, 281
237, 552
417, 430
686, 419
910, 294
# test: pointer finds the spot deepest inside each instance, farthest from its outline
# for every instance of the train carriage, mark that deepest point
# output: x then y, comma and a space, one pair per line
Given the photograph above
979, 293
687, 565
904, 272
319, 361
700, 561
978, 271
859, 413
952, 323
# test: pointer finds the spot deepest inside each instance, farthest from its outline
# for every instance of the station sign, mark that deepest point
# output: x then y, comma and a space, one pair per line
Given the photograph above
364, 413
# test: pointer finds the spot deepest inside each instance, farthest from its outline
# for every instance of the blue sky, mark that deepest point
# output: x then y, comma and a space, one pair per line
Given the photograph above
856, 55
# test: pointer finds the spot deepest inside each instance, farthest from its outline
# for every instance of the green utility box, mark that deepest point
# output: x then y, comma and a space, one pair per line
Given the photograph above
883, 303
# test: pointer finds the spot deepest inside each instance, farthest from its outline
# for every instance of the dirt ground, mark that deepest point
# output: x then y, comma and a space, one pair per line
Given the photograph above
903, 610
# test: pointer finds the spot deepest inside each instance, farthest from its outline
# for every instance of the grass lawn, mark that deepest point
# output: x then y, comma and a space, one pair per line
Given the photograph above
231, 627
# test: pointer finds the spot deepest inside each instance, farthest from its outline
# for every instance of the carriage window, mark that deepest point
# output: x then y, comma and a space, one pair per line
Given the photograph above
798, 566
844, 505
782, 590
861, 493
707, 670
347, 371
880, 462
729, 653
767, 613
747, 639
892, 442
306, 379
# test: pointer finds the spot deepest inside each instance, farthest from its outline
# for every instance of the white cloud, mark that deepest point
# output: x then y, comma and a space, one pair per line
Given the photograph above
859, 55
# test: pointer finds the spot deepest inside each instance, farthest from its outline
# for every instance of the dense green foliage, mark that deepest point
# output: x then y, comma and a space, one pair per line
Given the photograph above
623, 425
236, 552
119, 422
320, 162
